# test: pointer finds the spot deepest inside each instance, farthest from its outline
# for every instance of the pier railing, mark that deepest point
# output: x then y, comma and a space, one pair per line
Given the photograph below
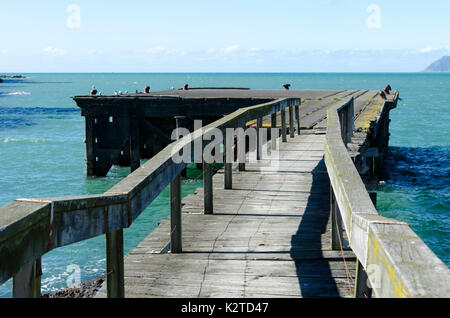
29, 228
395, 261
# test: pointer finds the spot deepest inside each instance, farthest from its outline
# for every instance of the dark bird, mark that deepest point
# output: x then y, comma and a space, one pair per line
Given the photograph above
186, 87
383, 95
388, 89
147, 89
286, 86
93, 90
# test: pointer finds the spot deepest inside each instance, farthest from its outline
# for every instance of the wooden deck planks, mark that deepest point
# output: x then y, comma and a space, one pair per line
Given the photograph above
269, 237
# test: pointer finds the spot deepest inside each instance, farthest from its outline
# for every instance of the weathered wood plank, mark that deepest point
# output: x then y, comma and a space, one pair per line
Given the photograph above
269, 235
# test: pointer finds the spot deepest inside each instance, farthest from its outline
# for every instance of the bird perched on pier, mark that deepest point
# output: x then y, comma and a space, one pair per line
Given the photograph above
286, 86
383, 95
388, 89
186, 87
93, 90
147, 89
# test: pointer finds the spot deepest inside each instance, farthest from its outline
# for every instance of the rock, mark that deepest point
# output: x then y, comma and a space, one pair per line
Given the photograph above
85, 290
13, 76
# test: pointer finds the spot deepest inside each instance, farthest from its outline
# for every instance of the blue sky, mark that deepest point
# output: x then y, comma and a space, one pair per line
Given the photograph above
222, 36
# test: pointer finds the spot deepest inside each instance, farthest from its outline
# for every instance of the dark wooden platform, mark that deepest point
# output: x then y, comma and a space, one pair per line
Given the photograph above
268, 237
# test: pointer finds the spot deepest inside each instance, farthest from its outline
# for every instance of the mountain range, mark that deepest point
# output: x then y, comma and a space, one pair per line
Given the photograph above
441, 65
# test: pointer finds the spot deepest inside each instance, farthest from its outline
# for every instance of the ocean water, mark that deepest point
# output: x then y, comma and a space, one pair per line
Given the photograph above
42, 151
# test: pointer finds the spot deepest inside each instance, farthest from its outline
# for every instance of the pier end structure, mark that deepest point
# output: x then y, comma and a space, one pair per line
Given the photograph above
121, 130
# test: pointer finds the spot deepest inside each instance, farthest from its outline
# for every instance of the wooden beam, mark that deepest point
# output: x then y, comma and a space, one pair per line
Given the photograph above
362, 283
297, 118
241, 165
175, 216
27, 282
228, 169
135, 157
273, 120
181, 122
291, 122
283, 125
259, 124
90, 142
336, 224
114, 265
208, 188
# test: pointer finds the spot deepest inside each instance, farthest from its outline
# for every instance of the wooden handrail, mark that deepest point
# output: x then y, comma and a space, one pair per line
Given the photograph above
397, 262
29, 228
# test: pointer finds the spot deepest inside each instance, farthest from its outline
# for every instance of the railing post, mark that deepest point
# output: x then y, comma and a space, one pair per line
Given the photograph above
283, 125
241, 165
350, 123
362, 284
180, 122
259, 123
273, 120
175, 216
297, 116
135, 156
228, 162
336, 223
346, 119
27, 282
115, 286
342, 123
291, 120
208, 187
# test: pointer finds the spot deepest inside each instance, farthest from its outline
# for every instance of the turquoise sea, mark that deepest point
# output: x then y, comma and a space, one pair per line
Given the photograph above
42, 151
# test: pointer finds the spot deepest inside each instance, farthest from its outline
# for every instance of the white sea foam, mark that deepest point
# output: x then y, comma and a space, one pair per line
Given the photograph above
6, 140
17, 93
32, 140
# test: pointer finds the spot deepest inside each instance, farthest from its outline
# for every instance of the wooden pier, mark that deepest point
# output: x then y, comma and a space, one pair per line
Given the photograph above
308, 228
269, 236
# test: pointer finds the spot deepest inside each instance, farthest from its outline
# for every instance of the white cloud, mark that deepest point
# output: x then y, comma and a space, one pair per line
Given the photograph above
225, 50
432, 49
93, 52
156, 50
230, 49
50, 50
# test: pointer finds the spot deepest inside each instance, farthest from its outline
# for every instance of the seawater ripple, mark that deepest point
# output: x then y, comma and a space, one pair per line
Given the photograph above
36, 110
421, 167
16, 117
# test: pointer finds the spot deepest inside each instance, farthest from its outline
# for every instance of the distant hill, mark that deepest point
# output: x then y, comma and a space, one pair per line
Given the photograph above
441, 65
